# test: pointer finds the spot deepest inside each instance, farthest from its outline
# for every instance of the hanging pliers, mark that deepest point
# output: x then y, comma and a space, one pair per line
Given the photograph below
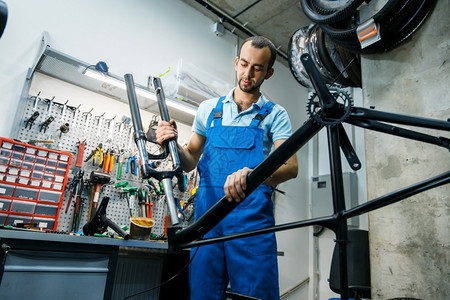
73, 189
132, 164
97, 153
109, 161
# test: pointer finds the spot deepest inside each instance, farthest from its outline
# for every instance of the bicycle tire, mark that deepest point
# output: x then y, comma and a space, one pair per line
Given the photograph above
395, 38
316, 17
323, 54
350, 33
410, 28
411, 15
348, 37
313, 46
327, 7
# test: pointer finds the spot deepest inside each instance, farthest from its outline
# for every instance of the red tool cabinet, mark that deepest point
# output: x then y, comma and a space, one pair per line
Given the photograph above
32, 183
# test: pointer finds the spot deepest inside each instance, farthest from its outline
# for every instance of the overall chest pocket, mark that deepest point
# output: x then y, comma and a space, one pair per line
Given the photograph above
235, 137
237, 147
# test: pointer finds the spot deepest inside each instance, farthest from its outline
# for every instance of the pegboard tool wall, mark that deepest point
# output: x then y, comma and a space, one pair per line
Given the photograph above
95, 119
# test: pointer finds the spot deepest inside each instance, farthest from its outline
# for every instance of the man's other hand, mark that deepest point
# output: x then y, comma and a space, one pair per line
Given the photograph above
236, 184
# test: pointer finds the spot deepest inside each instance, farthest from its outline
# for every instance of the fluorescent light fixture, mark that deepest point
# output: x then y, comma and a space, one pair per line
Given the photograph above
179, 106
118, 83
139, 91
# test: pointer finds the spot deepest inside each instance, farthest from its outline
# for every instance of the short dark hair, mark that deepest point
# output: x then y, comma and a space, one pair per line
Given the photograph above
262, 42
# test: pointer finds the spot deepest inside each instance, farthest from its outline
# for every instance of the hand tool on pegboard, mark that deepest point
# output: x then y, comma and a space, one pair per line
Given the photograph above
149, 204
64, 128
143, 202
132, 192
49, 106
73, 190
78, 210
106, 160
96, 179
34, 142
44, 125
108, 164
30, 121
36, 101
111, 125
77, 186
132, 165
121, 186
181, 214
130, 138
96, 155
120, 158
99, 125
87, 117
63, 111
190, 204
125, 121
80, 154
76, 111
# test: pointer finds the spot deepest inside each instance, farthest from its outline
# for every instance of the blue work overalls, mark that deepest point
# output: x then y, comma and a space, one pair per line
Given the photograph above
249, 264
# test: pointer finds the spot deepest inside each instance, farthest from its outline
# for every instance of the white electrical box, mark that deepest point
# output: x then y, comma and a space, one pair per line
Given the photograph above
322, 200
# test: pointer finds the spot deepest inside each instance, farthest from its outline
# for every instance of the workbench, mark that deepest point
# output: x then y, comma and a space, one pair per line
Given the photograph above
43, 265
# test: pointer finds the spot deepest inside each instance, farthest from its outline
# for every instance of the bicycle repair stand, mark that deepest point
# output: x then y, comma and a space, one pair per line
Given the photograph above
326, 109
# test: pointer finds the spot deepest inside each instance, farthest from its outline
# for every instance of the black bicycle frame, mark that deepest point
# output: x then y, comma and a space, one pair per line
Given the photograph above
191, 236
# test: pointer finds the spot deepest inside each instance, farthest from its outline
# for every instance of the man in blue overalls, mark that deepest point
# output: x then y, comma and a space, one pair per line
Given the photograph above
232, 135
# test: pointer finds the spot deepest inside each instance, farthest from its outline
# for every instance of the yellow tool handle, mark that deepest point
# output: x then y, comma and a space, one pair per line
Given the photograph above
101, 156
106, 164
111, 163
94, 159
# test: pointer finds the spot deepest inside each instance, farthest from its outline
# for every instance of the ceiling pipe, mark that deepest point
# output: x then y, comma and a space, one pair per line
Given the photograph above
224, 17
245, 9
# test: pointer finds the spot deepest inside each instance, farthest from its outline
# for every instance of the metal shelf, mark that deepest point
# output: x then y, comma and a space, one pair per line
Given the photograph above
71, 70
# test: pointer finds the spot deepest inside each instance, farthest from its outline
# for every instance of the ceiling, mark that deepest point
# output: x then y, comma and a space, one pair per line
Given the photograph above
276, 20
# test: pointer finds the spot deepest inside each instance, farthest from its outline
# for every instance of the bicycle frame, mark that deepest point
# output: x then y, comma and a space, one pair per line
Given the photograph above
191, 236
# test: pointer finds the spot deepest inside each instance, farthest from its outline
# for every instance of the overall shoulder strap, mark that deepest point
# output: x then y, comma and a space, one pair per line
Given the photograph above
263, 112
216, 114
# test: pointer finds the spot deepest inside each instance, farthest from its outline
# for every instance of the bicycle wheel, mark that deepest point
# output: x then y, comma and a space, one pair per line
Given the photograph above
327, 7
342, 32
345, 11
331, 58
401, 22
326, 57
409, 28
298, 45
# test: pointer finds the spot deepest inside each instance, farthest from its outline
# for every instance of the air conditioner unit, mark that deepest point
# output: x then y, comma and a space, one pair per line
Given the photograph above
191, 84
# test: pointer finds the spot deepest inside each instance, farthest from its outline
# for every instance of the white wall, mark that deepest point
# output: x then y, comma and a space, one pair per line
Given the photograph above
139, 37
143, 37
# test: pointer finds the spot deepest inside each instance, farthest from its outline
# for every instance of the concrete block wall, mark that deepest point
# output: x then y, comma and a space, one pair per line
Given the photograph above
410, 240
